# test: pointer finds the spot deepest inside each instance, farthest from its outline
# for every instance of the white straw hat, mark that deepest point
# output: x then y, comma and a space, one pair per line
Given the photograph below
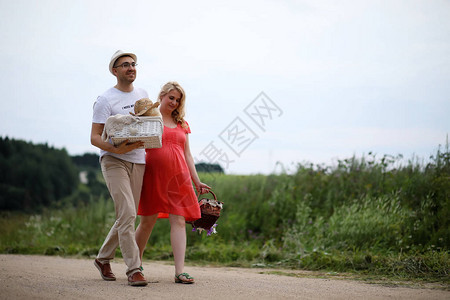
118, 54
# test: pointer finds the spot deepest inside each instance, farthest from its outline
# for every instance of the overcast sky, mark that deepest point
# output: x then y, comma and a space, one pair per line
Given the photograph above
266, 81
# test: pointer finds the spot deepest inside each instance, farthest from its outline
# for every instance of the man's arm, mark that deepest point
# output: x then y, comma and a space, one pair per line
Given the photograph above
124, 147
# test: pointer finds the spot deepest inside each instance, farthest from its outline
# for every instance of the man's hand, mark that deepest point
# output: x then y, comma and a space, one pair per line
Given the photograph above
125, 146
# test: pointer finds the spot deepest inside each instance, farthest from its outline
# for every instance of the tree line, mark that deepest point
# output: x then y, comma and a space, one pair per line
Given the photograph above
33, 176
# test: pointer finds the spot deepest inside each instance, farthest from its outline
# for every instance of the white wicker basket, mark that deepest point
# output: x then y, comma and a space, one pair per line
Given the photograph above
146, 129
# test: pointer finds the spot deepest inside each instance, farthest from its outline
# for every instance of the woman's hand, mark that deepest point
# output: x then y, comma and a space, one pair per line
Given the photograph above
202, 188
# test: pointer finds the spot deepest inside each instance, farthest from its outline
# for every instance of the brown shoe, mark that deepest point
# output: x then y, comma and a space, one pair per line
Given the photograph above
105, 270
137, 279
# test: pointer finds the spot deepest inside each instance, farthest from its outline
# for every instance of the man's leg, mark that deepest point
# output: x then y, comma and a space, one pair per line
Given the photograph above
108, 249
117, 176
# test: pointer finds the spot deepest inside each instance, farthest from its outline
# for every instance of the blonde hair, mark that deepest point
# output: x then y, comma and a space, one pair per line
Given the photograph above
179, 112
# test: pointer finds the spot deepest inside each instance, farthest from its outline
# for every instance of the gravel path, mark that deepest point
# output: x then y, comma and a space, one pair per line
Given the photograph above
51, 277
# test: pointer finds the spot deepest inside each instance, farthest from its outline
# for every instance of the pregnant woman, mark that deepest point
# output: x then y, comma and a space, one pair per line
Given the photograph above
167, 190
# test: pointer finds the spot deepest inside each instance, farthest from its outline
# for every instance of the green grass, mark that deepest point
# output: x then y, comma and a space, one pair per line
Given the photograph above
72, 230
367, 216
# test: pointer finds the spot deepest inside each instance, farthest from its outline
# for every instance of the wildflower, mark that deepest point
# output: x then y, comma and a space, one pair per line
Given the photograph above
212, 230
209, 232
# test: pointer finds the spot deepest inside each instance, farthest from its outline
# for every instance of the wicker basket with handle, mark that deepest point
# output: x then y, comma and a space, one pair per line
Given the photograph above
146, 129
210, 210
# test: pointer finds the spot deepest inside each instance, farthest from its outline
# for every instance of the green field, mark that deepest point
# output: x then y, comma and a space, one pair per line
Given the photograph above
369, 215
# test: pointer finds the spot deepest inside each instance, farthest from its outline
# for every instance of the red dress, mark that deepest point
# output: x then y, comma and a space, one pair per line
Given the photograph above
167, 187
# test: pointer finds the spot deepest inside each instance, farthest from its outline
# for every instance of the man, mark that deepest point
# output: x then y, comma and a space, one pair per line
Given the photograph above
123, 169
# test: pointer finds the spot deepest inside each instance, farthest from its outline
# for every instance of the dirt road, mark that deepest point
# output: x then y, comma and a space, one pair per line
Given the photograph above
50, 277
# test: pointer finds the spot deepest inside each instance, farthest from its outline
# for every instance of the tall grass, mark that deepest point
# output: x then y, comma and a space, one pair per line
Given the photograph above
70, 230
377, 215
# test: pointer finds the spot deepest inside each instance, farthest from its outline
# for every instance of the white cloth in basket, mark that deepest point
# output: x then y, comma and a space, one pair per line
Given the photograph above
115, 124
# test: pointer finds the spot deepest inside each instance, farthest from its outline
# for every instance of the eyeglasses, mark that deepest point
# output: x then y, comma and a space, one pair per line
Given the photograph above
126, 65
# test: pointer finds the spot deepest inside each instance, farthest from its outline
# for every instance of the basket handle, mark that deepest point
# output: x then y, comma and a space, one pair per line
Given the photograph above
211, 192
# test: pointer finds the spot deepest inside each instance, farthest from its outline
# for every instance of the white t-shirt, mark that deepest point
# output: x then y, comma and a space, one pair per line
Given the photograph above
113, 102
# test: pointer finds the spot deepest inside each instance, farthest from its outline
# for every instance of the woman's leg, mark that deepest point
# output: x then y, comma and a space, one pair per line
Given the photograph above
144, 231
178, 241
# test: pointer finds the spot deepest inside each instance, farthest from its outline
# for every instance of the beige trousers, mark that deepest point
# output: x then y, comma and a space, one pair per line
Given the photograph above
124, 181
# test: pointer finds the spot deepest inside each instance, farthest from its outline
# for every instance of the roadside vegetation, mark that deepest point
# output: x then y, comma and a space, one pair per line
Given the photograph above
377, 216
